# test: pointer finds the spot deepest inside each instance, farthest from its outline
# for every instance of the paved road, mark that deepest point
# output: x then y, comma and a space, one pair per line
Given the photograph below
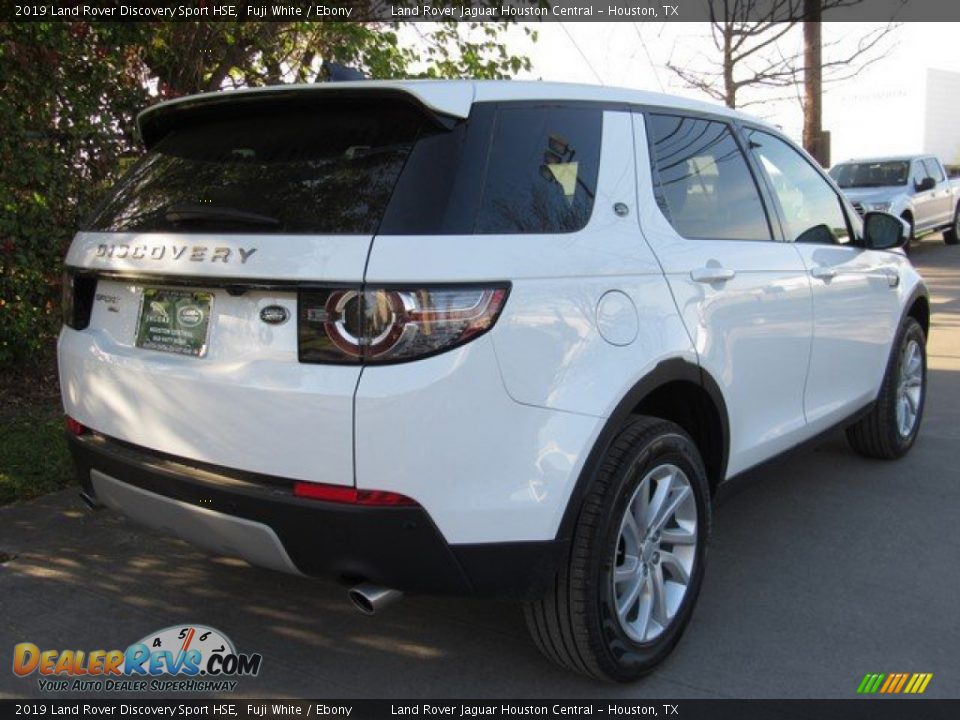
823, 567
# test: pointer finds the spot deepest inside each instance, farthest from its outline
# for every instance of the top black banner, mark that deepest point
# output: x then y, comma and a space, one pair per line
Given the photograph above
475, 10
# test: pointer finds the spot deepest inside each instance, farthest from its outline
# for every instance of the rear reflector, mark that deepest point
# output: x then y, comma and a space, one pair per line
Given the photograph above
350, 495
75, 428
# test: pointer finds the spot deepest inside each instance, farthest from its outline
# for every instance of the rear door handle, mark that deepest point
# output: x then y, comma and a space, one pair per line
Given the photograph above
824, 273
712, 274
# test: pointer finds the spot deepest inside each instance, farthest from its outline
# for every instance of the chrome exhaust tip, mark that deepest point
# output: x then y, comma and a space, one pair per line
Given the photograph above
370, 599
90, 501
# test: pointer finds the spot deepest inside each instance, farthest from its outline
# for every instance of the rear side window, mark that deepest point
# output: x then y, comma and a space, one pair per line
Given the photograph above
701, 180
542, 170
327, 170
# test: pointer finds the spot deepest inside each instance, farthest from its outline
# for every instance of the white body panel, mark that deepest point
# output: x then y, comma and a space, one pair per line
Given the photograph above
851, 345
444, 431
247, 404
752, 333
551, 356
547, 340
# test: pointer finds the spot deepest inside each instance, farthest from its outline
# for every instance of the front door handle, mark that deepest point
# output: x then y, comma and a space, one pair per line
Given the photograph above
824, 273
712, 274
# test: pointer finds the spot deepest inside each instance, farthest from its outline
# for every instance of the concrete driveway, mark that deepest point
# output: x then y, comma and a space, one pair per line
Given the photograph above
823, 567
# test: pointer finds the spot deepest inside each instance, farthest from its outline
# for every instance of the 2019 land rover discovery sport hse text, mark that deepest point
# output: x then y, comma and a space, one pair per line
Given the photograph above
487, 338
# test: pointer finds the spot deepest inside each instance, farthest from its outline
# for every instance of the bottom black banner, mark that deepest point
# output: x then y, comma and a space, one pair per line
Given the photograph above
867, 709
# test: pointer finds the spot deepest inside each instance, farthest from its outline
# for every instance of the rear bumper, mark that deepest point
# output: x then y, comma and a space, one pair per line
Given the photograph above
258, 518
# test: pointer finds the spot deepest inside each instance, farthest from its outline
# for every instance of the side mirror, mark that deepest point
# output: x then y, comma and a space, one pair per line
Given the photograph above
883, 231
928, 183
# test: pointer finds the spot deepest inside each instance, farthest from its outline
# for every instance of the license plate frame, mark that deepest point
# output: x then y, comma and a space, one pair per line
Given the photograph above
174, 320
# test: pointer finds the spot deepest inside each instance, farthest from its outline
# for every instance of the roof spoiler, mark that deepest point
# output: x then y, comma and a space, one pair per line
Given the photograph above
444, 102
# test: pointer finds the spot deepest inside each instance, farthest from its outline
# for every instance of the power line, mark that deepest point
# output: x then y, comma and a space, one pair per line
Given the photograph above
643, 43
585, 59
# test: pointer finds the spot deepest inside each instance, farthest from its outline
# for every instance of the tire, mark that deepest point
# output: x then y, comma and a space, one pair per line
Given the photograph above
881, 434
576, 623
951, 236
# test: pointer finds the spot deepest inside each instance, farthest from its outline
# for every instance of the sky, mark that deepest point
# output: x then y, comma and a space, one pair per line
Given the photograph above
876, 113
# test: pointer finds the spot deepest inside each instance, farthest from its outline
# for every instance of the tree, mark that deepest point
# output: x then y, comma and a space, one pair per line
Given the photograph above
69, 94
67, 97
813, 139
204, 56
754, 53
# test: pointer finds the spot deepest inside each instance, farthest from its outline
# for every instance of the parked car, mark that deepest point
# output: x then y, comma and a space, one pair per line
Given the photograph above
477, 338
916, 188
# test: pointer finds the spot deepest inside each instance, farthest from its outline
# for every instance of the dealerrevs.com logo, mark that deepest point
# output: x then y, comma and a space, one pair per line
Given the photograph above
180, 658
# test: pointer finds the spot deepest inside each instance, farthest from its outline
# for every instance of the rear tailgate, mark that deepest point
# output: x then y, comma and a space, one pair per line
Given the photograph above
246, 403
190, 273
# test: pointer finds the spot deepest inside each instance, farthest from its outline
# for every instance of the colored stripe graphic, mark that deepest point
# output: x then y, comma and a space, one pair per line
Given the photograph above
903, 679
894, 683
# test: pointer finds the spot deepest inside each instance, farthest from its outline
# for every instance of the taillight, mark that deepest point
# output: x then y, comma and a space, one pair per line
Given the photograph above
392, 324
77, 300
350, 495
76, 428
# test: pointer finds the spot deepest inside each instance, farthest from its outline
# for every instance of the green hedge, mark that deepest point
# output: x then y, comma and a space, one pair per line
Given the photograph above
68, 94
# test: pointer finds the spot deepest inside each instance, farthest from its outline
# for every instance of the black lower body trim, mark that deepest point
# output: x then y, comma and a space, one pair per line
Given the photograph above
732, 485
396, 547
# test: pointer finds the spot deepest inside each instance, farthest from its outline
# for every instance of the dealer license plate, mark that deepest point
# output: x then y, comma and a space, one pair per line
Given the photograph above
174, 321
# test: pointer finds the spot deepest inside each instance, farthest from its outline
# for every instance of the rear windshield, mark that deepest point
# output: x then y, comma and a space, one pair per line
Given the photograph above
871, 174
327, 171
368, 167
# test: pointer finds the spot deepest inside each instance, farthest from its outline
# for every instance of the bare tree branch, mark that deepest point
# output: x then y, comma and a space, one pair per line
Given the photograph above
749, 37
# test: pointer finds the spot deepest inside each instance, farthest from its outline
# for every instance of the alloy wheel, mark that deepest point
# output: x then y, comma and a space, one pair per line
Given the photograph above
655, 553
909, 388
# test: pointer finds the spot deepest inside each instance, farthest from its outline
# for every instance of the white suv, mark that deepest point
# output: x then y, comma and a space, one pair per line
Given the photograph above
477, 338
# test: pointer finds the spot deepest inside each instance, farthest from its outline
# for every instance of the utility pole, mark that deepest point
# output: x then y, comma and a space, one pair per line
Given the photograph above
814, 140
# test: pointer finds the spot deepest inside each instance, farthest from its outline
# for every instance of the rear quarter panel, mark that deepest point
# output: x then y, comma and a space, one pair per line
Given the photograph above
499, 430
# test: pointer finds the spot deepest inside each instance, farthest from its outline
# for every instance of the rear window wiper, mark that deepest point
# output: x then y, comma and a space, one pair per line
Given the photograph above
187, 213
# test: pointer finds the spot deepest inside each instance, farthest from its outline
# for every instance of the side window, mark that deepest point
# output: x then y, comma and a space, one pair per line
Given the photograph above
933, 169
701, 180
917, 172
542, 170
811, 208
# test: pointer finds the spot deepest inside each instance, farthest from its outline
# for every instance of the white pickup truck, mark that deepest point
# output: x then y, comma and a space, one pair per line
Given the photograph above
913, 187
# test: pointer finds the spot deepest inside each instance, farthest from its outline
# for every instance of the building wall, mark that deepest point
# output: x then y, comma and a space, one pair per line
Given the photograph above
874, 122
941, 126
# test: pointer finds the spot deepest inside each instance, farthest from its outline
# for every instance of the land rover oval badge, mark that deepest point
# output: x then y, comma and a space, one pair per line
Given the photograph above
274, 314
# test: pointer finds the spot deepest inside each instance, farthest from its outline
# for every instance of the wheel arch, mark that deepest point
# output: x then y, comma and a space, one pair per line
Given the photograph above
918, 308
675, 390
